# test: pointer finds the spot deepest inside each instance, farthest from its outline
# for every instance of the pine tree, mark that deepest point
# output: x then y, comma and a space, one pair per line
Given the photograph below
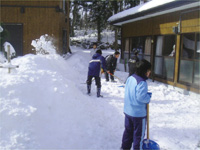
100, 12
75, 7
93, 14
3, 35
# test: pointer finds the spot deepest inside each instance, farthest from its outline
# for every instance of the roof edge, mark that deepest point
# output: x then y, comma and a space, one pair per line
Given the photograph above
168, 8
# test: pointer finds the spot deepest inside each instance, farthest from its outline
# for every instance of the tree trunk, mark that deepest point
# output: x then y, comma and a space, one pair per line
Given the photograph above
86, 21
116, 39
116, 7
74, 19
99, 30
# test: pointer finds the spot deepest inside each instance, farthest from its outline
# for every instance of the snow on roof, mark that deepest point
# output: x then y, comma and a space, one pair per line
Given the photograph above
145, 7
139, 8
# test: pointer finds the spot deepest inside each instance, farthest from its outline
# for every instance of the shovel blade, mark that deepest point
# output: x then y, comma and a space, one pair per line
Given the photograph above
150, 145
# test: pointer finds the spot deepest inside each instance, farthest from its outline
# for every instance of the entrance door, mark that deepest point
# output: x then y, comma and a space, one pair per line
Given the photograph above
15, 37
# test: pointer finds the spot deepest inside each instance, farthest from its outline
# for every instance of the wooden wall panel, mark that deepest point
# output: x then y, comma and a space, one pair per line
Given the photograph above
190, 22
138, 28
36, 21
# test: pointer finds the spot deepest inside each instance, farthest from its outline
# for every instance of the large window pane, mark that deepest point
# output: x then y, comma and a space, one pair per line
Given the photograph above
138, 44
158, 66
142, 45
198, 47
126, 45
159, 45
134, 45
169, 45
168, 70
148, 58
197, 74
126, 48
164, 65
158, 58
147, 50
186, 71
188, 46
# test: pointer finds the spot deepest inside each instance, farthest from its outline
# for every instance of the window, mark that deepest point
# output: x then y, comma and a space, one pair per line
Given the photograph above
147, 49
126, 45
189, 71
197, 62
164, 56
197, 53
143, 45
64, 10
188, 46
126, 49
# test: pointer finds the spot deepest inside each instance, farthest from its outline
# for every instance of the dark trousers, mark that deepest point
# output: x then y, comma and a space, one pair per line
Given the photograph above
111, 77
97, 81
134, 132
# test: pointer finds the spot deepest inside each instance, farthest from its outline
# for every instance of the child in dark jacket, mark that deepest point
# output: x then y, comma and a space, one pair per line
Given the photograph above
94, 70
132, 63
111, 63
135, 102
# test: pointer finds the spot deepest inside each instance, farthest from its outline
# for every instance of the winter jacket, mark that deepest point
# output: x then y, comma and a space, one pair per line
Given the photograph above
132, 65
111, 62
136, 97
96, 64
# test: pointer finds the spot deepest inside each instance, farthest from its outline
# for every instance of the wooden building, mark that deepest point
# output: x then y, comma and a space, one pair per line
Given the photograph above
28, 20
167, 33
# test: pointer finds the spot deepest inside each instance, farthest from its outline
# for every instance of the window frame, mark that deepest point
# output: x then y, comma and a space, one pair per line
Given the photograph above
164, 76
194, 59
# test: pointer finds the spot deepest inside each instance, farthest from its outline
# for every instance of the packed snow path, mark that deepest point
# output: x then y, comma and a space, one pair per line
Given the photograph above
44, 105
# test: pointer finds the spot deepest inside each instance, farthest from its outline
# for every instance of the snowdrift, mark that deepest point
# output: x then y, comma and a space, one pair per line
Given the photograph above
43, 105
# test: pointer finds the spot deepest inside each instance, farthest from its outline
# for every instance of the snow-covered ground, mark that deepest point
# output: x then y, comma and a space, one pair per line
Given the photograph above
44, 105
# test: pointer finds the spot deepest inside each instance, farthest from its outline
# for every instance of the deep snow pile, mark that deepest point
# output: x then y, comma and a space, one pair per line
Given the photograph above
43, 105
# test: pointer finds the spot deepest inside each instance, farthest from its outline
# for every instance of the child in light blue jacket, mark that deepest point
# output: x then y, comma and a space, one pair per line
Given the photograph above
135, 102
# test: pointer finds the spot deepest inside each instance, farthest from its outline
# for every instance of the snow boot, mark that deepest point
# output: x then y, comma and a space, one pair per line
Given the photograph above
88, 89
98, 92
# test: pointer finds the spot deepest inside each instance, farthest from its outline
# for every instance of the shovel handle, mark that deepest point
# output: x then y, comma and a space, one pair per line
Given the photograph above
147, 121
115, 76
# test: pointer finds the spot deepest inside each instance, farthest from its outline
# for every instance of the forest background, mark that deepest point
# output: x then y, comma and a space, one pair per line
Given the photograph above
90, 15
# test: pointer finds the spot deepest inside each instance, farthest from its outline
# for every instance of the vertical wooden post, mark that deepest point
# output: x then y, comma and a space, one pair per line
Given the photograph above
8, 57
152, 56
177, 57
147, 121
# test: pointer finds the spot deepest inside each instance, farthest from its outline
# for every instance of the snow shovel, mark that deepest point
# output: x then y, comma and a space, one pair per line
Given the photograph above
115, 77
147, 143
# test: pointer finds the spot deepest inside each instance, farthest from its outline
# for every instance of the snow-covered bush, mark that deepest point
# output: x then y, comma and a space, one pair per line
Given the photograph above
44, 45
12, 50
3, 54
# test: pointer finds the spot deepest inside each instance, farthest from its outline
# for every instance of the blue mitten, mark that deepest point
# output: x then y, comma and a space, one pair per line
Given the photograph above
150, 94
